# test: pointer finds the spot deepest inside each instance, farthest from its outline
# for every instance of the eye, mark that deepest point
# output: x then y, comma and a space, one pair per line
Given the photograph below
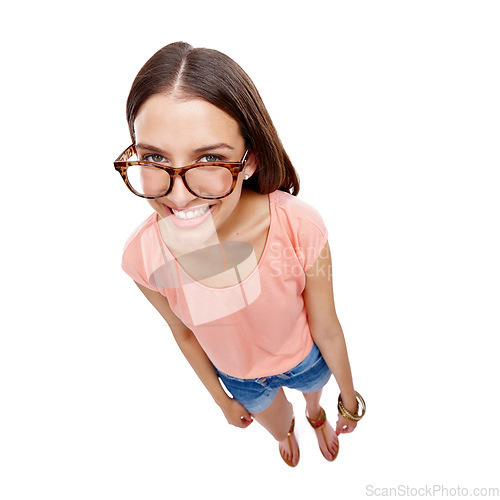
209, 158
154, 158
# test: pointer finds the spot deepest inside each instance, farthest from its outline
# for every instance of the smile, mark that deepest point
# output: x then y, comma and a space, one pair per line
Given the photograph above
189, 218
191, 214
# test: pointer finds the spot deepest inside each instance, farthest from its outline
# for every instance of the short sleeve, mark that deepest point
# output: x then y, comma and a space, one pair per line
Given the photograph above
133, 258
304, 226
312, 236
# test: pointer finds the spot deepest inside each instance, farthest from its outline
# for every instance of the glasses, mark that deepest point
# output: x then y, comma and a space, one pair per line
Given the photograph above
209, 180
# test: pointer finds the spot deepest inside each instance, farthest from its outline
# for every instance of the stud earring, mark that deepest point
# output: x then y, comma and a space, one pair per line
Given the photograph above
246, 177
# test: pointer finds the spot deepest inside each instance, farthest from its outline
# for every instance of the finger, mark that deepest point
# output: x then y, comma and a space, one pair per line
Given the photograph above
245, 414
338, 430
342, 429
352, 426
348, 428
244, 423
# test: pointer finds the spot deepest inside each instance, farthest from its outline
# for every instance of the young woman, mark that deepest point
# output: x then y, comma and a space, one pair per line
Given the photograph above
236, 264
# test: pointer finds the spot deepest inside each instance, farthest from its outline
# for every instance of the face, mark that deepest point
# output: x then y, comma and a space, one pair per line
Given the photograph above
178, 133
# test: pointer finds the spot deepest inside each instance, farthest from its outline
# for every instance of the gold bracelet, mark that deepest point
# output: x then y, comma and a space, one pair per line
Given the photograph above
350, 416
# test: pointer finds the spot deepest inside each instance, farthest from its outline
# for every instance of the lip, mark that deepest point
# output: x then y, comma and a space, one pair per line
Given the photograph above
188, 223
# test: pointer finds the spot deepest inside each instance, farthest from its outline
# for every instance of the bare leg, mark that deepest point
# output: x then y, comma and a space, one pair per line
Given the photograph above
277, 418
313, 409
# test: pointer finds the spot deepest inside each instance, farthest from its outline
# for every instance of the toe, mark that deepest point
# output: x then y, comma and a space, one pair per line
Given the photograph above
285, 452
326, 451
333, 449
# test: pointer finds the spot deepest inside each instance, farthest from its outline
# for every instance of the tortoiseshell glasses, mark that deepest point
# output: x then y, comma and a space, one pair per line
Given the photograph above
209, 180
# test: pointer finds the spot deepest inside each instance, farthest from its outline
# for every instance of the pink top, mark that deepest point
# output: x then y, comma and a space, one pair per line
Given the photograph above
258, 327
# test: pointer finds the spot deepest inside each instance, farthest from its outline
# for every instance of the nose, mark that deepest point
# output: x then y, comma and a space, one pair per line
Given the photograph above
179, 195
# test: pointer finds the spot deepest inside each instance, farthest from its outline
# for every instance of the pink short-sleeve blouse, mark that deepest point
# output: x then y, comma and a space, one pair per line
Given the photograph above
258, 327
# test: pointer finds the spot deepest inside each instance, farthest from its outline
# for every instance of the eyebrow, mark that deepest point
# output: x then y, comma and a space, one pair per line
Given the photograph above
211, 147
220, 145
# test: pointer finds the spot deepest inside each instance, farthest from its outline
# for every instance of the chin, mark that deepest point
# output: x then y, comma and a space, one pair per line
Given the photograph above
183, 240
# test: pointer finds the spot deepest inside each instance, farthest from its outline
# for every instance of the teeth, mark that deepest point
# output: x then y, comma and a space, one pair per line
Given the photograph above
191, 214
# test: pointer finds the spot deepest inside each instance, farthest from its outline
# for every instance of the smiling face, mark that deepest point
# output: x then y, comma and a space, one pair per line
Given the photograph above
177, 133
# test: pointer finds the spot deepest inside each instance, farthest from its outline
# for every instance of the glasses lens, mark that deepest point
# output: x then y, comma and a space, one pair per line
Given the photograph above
210, 180
147, 180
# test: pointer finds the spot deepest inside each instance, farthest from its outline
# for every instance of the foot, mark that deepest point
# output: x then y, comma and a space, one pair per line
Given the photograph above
327, 437
290, 450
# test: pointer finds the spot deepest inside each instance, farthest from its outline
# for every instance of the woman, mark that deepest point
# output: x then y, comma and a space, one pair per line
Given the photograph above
235, 263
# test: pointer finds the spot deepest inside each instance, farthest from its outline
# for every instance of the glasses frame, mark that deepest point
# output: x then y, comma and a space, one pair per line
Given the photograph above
121, 164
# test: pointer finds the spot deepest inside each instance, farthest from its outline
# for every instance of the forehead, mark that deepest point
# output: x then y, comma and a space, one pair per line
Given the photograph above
168, 122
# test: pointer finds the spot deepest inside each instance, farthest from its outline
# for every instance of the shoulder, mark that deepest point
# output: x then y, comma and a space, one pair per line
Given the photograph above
303, 226
144, 228
297, 210
137, 255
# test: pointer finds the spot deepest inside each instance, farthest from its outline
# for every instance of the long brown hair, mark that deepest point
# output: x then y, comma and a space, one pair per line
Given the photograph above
211, 75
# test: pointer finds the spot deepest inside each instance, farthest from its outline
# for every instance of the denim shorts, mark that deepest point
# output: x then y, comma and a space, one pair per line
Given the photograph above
256, 394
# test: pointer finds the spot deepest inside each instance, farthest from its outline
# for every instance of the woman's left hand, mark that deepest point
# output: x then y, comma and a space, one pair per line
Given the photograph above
344, 425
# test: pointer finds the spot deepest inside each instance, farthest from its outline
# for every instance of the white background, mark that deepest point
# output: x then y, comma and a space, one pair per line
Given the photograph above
390, 111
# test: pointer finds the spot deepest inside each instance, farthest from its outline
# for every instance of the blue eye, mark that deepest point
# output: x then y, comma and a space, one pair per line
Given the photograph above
154, 158
210, 158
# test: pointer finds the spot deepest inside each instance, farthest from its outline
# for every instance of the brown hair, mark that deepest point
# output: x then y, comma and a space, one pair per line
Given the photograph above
216, 78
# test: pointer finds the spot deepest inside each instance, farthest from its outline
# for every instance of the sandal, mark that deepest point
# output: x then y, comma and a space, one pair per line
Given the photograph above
290, 432
318, 425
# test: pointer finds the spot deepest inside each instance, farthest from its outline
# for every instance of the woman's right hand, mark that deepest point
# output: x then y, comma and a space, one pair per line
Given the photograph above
236, 414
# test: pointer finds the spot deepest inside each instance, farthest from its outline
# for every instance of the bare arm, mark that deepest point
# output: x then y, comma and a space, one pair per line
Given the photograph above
197, 358
327, 332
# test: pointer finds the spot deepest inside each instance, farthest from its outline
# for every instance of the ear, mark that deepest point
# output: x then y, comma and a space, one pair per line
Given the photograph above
250, 165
